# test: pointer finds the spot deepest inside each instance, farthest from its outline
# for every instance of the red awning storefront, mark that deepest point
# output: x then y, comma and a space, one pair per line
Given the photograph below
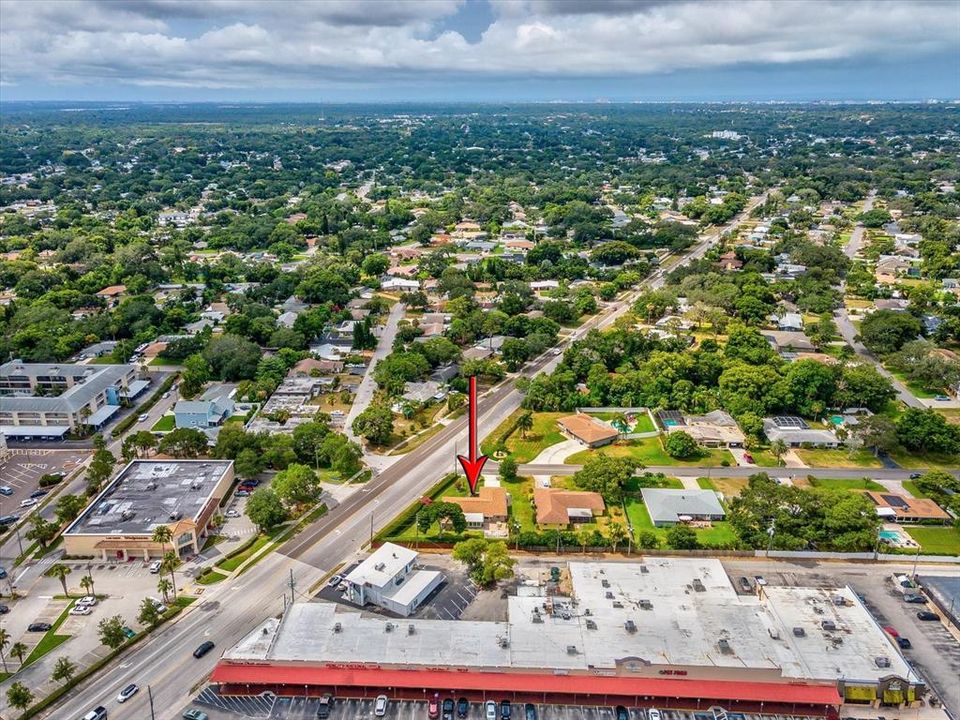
447, 680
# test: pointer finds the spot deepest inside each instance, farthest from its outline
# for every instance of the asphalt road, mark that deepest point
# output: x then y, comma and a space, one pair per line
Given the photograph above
230, 610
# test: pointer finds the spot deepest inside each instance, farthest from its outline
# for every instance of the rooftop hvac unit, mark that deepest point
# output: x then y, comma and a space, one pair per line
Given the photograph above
630, 626
591, 625
644, 570
605, 583
646, 605
537, 617
586, 611
724, 646
571, 649
411, 629
503, 641
828, 625
799, 632
608, 595
882, 662
388, 627
379, 566
698, 586
617, 604
337, 627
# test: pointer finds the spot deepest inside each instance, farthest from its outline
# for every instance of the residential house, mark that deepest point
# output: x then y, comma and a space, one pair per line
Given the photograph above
423, 392
398, 284
487, 510
212, 408
714, 429
729, 261
668, 507
791, 322
903, 509
795, 432
558, 508
112, 294
587, 430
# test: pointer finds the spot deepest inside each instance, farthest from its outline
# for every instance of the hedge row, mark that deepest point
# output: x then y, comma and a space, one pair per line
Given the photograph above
407, 517
130, 420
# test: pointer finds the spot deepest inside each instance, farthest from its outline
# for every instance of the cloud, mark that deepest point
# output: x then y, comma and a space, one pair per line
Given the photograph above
240, 44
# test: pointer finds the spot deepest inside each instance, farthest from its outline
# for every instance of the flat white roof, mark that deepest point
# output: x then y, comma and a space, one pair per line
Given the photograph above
414, 584
382, 566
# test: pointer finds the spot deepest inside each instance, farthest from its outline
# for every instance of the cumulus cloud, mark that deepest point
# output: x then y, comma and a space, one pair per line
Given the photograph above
240, 44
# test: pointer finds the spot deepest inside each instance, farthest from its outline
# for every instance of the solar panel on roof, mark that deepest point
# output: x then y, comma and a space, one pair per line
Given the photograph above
789, 421
895, 501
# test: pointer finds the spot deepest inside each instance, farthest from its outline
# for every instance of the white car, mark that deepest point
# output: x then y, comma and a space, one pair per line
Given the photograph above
128, 692
491, 711
653, 714
29, 502
89, 600
143, 417
558, 351
760, 581
155, 567
232, 513
81, 610
380, 706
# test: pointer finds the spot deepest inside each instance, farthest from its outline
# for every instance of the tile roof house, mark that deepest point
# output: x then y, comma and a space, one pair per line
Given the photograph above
587, 430
487, 510
308, 365
559, 508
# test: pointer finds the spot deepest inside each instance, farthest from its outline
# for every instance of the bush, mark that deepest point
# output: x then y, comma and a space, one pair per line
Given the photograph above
51, 479
724, 463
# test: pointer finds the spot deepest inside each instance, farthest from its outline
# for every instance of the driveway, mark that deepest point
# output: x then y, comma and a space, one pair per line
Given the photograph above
367, 386
556, 454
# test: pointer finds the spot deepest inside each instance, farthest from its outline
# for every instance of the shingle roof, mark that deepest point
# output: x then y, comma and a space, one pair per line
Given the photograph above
490, 502
666, 505
553, 505
587, 429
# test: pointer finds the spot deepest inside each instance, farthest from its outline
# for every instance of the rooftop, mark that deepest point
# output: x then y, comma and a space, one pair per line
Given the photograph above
148, 493
587, 428
382, 566
88, 381
670, 506
489, 502
554, 506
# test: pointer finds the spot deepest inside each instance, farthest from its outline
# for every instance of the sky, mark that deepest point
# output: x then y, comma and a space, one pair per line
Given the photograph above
479, 50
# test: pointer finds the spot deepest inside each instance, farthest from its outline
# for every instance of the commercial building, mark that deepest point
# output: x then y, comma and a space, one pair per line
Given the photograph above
48, 400
587, 430
184, 495
668, 507
666, 632
389, 579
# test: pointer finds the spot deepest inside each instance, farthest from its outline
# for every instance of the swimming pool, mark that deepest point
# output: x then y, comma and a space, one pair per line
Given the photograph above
890, 535
836, 419
670, 423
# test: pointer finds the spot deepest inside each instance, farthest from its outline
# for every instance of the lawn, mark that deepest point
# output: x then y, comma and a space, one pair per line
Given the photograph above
50, 640
650, 452
927, 461
764, 458
524, 449
211, 577
163, 362
915, 388
164, 424
230, 564
521, 507
911, 487
415, 441
729, 487
936, 540
643, 422
720, 533
856, 484
827, 458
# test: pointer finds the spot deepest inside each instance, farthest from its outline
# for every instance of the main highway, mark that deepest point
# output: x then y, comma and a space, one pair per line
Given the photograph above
228, 611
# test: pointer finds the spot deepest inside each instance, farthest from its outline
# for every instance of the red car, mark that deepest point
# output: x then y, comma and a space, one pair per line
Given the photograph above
748, 457
433, 709
891, 632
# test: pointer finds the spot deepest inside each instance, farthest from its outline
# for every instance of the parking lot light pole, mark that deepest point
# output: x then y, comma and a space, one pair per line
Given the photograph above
150, 695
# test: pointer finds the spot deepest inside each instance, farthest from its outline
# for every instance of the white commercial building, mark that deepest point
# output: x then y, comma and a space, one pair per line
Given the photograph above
388, 579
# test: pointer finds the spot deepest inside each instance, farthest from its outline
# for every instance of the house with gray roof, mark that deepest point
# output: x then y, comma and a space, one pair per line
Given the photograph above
669, 507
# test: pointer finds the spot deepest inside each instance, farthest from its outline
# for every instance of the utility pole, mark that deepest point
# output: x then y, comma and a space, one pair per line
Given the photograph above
150, 695
293, 584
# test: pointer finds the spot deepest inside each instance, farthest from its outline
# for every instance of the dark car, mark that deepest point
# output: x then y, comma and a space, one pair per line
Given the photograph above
447, 709
529, 712
745, 584
914, 598
505, 710
904, 643
622, 713
38, 493
463, 707
326, 704
927, 615
39, 627
3, 573
4, 609
203, 649
9, 519
915, 476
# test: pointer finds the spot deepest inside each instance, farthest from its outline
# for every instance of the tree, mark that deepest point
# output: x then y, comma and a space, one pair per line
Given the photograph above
487, 561
648, 540
508, 469
779, 448
86, 583
886, 331
19, 649
184, 443
375, 424
584, 538
68, 508
4, 641
19, 696
169, 565
297, 485
605, 475
60, 571
164, 587
877, 432
101, 466
617, 532
63, 670
111, 632
927, 431
681, 445
148, 615
43, 531
162, 535
682, 537
525, 423
232, 357
444, 513
265, 509
307, 439
196, 373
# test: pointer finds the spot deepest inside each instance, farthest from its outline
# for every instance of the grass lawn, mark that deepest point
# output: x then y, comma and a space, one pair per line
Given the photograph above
729, 487
163, 362
232, 563
847, 484
927, 461
720, 533
524, 449
164, 424
633, 484
911, 487
764, 458
521, 507
210, 578
649, 451
50, 640
916, 389
936, 540
643, 422
417, 440
827, 458
238, 419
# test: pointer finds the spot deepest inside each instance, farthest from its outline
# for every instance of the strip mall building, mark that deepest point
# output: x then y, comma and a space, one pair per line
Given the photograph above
668, 633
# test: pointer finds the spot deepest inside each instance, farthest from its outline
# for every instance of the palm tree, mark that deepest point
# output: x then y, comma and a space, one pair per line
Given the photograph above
779, 448
4, 641
168, 566
19, 649
163, 587
86, 582
60, 571
525, 423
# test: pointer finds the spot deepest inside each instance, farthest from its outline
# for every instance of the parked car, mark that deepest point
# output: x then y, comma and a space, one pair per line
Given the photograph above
334, 581
87, 600
3, 573
654, 714
129, 632
914, 598
194, 715
39, 627
166, 395
98, 713
81, 610
759, 580
8, 519
4, 609
325, 706
39, 493
745, 584
252, 482
916, 475
505, 710
128, 692
203, 649
433, 709
621, 711
748, 457
28, 502
446, 709
490, 712
941, 398
891, 631
155, 567
463, 707
6, 490
558, 351
242, 493
143, 417
380, 706
927, 615
529, 712
904, 643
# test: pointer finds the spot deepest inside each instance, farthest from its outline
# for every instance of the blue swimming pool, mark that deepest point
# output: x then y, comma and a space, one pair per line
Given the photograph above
670, 423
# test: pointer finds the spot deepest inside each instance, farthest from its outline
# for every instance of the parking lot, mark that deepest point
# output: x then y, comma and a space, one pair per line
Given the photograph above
287, 708
22, 470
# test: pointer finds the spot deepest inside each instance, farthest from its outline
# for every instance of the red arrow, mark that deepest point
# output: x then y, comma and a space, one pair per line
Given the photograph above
473, 465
